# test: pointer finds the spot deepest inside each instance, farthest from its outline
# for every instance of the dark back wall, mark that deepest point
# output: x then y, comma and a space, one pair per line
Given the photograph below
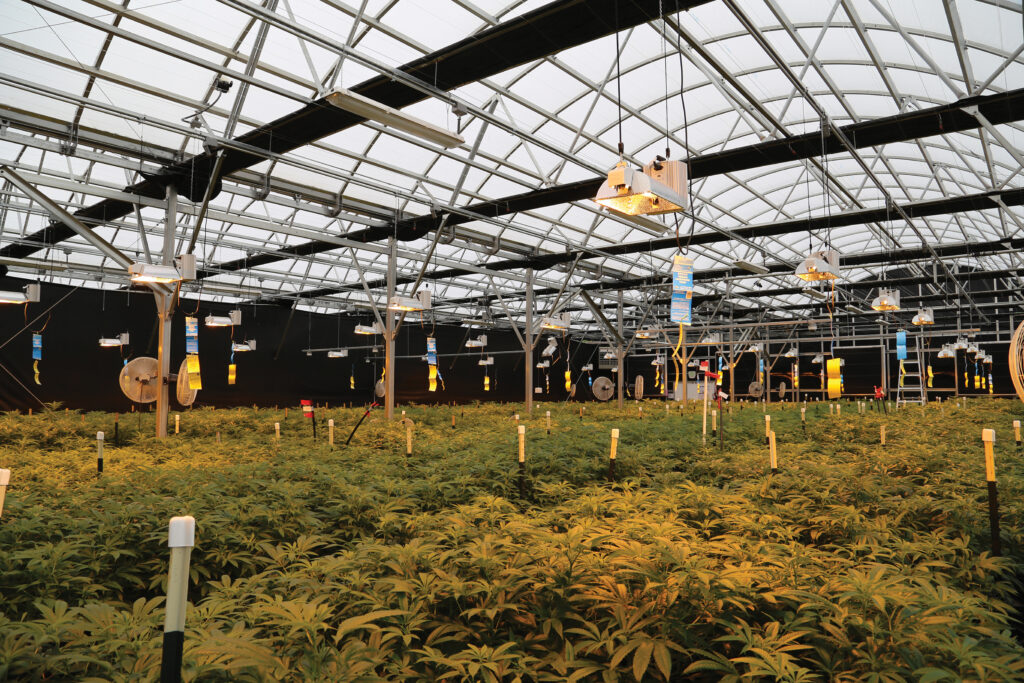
78, 373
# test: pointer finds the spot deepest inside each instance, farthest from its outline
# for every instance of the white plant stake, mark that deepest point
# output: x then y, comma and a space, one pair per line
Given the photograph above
839, 410
181, 536
831, 408
714, 423
767, 429
547, 418
330, 432
5, 479
277, 431
177, 423
99, 453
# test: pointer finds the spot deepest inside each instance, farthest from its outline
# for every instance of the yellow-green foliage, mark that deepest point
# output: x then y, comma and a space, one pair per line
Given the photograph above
855, 562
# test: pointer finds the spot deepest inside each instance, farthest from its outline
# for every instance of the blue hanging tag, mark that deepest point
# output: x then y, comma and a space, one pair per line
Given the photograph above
901, 345
191, 335
37, 347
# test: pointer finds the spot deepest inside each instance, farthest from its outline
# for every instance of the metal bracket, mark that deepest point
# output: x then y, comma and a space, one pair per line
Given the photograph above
68, 147
263, 191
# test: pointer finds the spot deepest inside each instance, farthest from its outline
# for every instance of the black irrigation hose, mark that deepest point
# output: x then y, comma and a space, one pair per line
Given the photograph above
372, 406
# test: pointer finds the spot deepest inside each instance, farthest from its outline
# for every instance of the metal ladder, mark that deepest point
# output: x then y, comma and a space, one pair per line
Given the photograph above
910, 386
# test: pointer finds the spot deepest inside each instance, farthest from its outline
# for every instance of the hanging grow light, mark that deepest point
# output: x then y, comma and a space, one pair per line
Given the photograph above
29, 294
553, 323
184, 269
972, 348
647, 333
375, 328
478, 343
420, 302
887, 300
751, 267
486, 361
660, 187
543, 364
960, 344
242, 347
551, 348
818, 360
658, 360
820, 265
924, 316
232, 318
377, 111
946, 351
792, 353
119, 340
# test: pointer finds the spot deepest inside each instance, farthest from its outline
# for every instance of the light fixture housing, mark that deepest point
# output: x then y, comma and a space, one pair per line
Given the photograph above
811, 292
647, 333
820, 265
373, 328
232, 318
551, 348
658, 360
818, 359
589, 367
657, 188
489, 360
30, 293
242, 347
420, 302
887, 300
924, 316
359, 105
946, 351
338, 353
972, 348
751, 267
792, 353
183, 270
478, 343
960, 344
555, 323
110, 342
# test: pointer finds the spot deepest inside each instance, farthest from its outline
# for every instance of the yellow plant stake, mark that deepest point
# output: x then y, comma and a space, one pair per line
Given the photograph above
277, 431
330, 432
5, 479
988, 437
522, 460
881, 436
177, 423
611, 457
773, 458
1016, 432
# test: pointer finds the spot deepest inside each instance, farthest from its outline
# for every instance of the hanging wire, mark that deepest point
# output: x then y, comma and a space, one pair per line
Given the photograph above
618, 80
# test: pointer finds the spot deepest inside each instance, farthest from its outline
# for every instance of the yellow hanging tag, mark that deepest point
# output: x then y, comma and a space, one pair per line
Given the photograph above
487, 383
568, 380
35, 370
433, 378
931, 377
231, 374
835, 389
195, 381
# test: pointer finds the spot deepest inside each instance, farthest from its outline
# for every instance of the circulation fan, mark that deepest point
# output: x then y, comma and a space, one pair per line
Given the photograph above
603, 389
755, 389
1016, 360
782, 390
140, 381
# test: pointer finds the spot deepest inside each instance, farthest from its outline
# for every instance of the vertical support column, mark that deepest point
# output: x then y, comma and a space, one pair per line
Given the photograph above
528, 343
768, 364
620, 353
165, 314
732, 363
389, 333
682, 348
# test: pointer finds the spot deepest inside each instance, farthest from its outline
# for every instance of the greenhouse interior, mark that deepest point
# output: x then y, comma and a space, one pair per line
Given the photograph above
511, 340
